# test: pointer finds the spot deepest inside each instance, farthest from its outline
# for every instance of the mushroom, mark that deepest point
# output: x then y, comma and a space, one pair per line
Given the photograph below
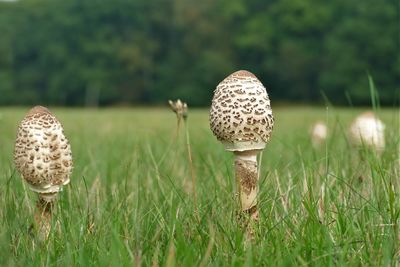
319, 132
241, 118
42, 156
367, 130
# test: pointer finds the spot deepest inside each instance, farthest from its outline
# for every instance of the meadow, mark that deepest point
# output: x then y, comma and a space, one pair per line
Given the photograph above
131, 197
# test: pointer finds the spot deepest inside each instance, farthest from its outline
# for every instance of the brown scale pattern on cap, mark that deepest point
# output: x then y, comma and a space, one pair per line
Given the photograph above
42, 153
241, 110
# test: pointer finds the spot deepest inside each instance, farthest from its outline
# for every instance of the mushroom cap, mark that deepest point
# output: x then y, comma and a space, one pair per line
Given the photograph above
241, 115
319, 133
38, 109
367, 129
42, 153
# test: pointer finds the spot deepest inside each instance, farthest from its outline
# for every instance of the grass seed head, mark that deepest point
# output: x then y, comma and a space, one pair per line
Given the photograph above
180, 108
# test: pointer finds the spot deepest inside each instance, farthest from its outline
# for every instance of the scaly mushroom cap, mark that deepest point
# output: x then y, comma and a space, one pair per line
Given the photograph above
42, 153
241, 115
368, 130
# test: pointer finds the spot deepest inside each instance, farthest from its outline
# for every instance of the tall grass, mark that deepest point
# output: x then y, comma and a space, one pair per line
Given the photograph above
130, 199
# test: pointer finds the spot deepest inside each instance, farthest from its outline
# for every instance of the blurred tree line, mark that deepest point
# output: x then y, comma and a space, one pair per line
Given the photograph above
147, 51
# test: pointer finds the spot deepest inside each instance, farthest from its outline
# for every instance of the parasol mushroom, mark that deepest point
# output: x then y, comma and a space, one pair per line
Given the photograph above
319, 132
241, 118
43, 157
367, 130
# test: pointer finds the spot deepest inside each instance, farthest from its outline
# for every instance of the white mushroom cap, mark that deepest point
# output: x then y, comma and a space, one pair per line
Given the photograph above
241, 115
42, 153
368, 130
319, 132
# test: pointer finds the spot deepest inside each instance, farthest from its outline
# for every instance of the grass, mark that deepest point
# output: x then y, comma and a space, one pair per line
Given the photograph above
130, 201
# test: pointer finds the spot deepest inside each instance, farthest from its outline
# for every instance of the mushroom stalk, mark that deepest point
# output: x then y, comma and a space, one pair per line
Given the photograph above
44, 213
246, 173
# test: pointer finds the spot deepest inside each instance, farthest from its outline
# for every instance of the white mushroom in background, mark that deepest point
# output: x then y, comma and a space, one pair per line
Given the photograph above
369, 131
241, 118
43, 157
319, 133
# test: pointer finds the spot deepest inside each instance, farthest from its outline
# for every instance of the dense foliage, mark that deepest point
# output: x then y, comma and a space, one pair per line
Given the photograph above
146, 51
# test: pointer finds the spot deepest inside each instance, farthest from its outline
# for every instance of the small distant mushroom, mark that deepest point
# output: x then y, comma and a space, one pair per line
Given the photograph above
319, 132
241, 118
367, 130
43, 157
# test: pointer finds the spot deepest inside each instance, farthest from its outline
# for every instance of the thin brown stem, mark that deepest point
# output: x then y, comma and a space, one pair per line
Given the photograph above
193, 175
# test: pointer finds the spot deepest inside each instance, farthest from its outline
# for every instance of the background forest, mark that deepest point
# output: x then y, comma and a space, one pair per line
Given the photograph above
144, 52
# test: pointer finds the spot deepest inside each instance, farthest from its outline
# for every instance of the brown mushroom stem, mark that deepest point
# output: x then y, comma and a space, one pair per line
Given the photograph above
44, 212
246, 173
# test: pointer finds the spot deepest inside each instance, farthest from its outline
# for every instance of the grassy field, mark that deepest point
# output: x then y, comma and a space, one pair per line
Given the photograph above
130, 200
